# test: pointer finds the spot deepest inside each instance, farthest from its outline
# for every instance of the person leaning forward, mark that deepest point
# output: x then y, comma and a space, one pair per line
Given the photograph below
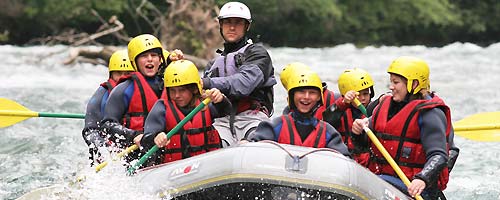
119, 65
182, 94
300, 127
243, 72
132, 99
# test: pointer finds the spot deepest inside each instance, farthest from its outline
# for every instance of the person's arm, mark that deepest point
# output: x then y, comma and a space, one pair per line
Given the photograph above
220, 109
334, 141
115, 109
93, 116
154, 124
433, 138
253, 72
454, 150
266, 130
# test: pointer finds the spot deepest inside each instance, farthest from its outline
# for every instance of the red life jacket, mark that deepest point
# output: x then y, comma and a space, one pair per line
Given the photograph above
401, 137
197, 136
290, 135
141, 102
329, 98
361, 156
109, 85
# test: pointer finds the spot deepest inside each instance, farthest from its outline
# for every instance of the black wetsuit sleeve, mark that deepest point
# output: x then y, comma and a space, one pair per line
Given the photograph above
453, 152
221, 109
154, 124
433, 138
93, 116
115, 109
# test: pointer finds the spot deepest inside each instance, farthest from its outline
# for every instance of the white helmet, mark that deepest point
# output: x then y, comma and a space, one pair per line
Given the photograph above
235, 9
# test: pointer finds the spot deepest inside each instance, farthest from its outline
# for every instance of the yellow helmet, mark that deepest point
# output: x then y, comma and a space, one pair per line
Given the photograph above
181, 72
305, 78
289, 69
119, 62
412, 69
140, 44
355, 79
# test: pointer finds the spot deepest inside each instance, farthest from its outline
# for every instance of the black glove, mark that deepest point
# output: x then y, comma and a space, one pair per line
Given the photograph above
119, 133
431, 170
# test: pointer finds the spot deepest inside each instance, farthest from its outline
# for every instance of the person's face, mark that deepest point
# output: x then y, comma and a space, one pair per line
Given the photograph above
148, 63
364, 96
181, 95
398, 88
305, 99
115, 75
233, 29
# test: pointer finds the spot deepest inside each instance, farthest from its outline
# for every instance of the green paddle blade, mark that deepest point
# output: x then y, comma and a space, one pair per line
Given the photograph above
483, 127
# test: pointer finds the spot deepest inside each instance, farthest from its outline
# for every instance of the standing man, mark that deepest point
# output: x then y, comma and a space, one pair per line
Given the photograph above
243, 72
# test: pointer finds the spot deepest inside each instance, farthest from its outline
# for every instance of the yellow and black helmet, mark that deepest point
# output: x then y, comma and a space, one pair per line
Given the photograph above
412, 69
355, 79
140, 44
181, 72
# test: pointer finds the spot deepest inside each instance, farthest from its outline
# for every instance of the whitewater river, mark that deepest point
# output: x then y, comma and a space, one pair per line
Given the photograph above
41, 152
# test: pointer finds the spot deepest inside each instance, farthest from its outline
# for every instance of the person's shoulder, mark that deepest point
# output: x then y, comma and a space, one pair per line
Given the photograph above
277, 120
256, 48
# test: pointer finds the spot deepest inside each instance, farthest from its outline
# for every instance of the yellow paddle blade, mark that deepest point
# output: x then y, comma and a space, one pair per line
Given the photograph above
12, 113
483, 127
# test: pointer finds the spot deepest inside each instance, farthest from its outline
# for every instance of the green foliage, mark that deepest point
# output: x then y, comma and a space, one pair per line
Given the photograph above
297, 23
45, 17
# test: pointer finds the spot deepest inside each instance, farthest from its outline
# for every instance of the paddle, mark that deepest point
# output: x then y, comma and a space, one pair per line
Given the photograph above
483, 127
155, 148
382, 150
118, 156
12, 113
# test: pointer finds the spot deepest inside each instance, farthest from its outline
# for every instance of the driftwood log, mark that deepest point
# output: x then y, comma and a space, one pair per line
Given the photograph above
187, 25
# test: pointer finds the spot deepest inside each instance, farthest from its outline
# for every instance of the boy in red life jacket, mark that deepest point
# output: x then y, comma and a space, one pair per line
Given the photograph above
131, 100
300, 127
353, 83
183, 92
119, 65
413, 128
328, 95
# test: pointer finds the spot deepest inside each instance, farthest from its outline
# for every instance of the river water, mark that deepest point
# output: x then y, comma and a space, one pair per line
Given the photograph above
41, 152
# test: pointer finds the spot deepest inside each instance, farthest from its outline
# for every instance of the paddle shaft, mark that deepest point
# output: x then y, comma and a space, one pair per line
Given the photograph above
384, 152
476, 127
169, 135
17, 113
118, 156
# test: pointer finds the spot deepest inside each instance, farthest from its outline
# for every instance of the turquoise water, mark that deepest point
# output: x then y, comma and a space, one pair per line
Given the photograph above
40, 152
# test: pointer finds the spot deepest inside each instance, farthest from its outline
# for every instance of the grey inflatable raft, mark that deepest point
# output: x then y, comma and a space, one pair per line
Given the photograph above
266, 170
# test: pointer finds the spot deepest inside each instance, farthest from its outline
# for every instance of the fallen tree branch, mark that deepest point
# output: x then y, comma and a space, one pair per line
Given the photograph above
113, 20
